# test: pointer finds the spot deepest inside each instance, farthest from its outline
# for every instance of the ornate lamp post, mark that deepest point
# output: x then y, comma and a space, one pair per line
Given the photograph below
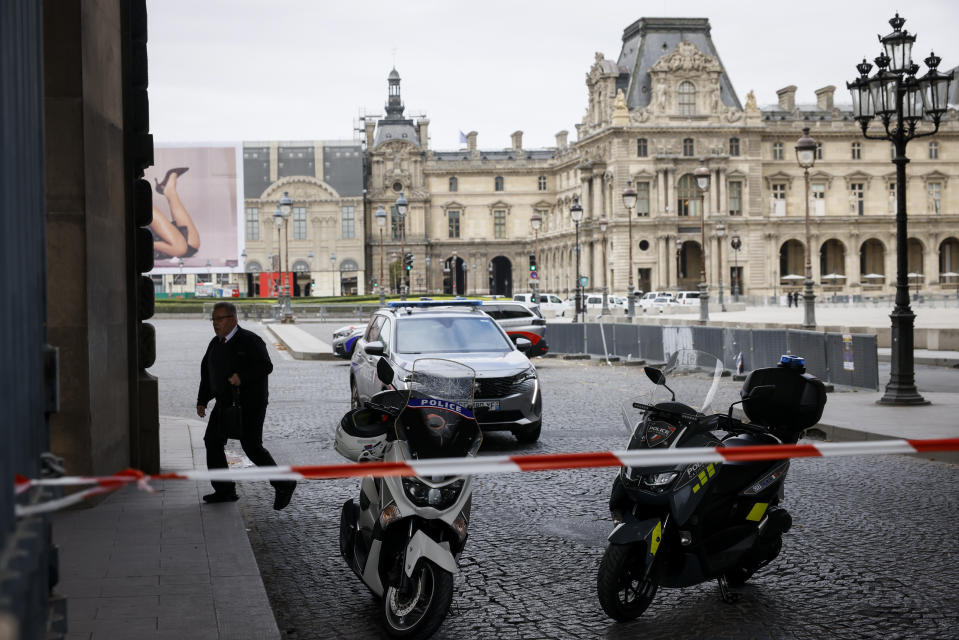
333, 272
401, 206
901, 101
576, 212
629, 199
427, 260
702, 184
309, 262
536, 221
603, 223
806, 157
736, 243
679, 257
280, 217
381, 223
720, 234
453, 271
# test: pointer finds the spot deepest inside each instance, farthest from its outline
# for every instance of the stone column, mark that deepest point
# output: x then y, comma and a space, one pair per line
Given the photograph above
660, 192
723, 205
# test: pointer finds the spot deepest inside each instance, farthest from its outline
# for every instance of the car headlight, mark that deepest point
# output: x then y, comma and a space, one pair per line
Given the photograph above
423, 495
529, 374
343, 332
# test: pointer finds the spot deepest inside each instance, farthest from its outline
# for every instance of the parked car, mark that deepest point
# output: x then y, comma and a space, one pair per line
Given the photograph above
344, 340
507, 394
650, 296
688, 298
520, 320
545, 301
659, 303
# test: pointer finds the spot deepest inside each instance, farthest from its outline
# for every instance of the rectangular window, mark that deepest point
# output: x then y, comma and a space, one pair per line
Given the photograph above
933, 150
734, 146
541, 183
779, 199
299, 223
454, 216
498, 183
818, 151
856, 151
777, 151
779, 191
252, 223
856, 197
935, 197
642, 199
688, 147
223, 278
642, 149
893, 198
499, 223
179, 278
735, 198
817, 206
348, 222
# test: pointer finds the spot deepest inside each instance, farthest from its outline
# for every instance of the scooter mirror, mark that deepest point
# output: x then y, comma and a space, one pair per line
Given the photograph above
384, 371
654, 374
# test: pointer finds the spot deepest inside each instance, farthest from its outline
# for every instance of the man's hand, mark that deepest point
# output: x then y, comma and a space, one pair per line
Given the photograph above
234, 380
201, 410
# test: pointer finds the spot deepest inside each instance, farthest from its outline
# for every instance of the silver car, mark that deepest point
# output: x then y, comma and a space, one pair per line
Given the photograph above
507, 396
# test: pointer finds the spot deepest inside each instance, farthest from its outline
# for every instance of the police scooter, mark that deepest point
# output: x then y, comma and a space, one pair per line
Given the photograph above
681, 525
403, 536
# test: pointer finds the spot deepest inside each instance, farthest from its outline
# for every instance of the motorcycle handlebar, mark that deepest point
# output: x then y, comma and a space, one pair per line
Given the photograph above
715, 421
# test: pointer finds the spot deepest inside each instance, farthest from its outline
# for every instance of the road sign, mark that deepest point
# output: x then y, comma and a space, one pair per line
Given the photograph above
584, 281
533, 275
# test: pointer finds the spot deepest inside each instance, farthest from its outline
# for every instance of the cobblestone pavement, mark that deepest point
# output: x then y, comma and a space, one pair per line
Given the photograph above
871, 555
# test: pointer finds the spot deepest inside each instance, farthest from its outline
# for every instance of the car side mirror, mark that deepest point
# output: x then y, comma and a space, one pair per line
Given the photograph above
383, 369
375, 348
523, 344
654, 374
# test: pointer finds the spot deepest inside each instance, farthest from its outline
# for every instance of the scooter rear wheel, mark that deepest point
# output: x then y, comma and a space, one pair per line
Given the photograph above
420, 610
625, 589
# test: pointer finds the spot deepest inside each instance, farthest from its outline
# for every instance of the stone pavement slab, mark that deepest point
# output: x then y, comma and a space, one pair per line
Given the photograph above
162, 565
300, 344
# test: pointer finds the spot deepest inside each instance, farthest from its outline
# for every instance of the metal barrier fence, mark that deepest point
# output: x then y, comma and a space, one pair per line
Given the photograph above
850, 360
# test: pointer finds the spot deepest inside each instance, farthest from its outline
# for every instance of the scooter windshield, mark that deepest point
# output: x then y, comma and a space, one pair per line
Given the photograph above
438, 420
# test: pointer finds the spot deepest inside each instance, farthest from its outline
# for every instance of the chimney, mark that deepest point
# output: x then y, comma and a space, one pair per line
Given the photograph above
561, 137
517, 138
424, 126
370, 129
824, 98
787, 98
471, 140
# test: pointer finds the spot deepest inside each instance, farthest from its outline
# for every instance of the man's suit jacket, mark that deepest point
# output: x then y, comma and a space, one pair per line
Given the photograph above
244, 354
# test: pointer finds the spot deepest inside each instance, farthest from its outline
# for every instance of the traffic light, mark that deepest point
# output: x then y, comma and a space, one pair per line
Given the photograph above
532, 262
409, 261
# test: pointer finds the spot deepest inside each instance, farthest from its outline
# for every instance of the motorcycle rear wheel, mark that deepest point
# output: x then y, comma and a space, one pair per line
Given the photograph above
420, 611
623, 592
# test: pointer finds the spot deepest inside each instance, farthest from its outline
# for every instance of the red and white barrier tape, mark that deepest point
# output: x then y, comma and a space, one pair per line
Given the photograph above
494, 464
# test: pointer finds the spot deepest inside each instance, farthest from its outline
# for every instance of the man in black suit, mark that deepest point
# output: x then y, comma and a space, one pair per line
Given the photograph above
236, 358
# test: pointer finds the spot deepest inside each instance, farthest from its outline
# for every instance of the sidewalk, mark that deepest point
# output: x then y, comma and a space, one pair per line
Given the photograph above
162, 565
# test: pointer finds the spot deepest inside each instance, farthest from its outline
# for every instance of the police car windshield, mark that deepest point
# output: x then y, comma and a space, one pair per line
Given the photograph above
450, 334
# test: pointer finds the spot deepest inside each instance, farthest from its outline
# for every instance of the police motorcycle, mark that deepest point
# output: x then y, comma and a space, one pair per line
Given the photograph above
684, 524
404, 534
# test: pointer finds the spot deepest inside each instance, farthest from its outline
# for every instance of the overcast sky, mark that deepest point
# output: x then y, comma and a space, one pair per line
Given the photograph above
233, 70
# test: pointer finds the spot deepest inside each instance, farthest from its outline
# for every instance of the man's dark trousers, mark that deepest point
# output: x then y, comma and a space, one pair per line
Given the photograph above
252, 443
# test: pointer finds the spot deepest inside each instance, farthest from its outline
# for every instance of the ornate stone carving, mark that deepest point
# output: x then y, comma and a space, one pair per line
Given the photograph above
751, 102
686, 57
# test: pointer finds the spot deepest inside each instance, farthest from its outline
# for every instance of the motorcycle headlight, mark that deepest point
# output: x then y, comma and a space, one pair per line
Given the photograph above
659, 480
423, 495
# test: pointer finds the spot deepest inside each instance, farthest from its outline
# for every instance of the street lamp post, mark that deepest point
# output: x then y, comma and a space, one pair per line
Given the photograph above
381, 223
401, 207
333, 273
720, 234
901, 101
629, 199
536, 221
603, 224
427, 261
679, 257
454, 271
736, 243
280, 217
702, 184
806, 157
576, 212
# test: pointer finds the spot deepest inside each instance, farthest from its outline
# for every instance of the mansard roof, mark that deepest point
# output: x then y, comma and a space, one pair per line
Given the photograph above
649, 39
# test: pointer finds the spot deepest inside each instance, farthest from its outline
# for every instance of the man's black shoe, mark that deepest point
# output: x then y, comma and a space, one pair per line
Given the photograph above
221, 496
283, 495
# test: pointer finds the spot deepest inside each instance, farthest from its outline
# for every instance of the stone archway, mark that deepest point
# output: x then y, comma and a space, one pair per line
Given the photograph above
501, 277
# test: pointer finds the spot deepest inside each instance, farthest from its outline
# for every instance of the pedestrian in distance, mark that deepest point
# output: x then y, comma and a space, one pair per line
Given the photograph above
236, 359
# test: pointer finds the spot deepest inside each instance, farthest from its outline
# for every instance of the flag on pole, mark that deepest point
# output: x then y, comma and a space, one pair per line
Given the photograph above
462, 138
739, 362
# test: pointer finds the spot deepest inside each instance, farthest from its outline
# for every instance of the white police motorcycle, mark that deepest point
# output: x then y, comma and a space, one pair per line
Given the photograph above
403, 536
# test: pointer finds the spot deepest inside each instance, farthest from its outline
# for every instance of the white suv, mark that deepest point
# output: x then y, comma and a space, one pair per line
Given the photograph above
688, 298
647, 300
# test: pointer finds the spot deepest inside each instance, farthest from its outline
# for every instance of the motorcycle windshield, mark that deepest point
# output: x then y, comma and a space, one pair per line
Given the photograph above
438, 420
699, 381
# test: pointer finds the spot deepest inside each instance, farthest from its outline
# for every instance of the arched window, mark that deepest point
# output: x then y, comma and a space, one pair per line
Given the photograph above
252, 266
301, 266
687, 196
498, 183
454, 184
349, 265
688, 147
687, 98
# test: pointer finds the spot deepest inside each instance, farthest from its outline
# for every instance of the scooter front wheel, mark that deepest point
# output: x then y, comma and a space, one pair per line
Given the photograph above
624, 584
419, 610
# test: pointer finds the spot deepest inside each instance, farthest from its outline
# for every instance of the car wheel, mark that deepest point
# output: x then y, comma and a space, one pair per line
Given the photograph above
529, 433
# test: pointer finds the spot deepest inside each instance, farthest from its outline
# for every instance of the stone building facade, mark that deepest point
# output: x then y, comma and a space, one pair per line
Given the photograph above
664, 107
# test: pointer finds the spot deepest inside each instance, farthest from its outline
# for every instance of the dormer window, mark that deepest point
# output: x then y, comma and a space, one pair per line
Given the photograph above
687, 98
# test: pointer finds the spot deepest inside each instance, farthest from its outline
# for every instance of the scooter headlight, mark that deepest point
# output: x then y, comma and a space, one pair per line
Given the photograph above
659, 480
423, 495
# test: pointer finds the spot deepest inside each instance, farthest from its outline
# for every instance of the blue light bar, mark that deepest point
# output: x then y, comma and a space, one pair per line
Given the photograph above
792, 361
425, 304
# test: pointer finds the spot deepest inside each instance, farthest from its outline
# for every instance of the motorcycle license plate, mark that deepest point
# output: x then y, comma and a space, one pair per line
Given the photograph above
491, 405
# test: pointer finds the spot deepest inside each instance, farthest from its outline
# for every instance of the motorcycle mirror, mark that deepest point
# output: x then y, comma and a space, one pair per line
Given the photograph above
654, 374
383, 370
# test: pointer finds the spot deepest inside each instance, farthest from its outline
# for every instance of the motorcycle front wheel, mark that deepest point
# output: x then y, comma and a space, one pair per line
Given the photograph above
419, 610
625, 590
